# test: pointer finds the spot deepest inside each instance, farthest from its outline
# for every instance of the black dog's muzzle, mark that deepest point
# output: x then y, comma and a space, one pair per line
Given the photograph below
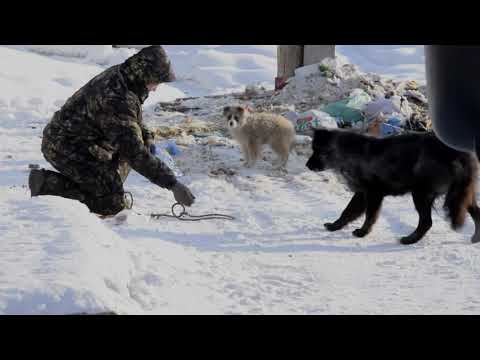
315, 164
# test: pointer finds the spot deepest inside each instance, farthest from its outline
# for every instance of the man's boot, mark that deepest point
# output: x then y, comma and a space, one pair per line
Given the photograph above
46, 182
36, 180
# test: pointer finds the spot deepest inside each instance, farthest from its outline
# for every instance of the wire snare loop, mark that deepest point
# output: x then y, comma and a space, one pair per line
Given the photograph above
185, 216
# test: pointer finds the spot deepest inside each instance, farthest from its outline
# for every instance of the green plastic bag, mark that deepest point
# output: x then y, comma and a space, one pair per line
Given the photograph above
348, 112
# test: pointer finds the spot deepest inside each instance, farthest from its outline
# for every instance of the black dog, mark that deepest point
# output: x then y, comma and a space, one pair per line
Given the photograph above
416, 163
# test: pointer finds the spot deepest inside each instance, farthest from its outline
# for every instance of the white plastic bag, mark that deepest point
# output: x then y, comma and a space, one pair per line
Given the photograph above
314, 119
390, 107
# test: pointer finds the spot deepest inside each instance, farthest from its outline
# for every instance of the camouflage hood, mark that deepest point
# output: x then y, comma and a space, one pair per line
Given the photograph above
150, 65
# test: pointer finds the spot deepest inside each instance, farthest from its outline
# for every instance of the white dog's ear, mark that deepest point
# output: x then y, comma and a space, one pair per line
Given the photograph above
226, 109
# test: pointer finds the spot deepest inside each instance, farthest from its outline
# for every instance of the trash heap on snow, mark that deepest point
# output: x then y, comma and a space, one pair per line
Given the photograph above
368, 102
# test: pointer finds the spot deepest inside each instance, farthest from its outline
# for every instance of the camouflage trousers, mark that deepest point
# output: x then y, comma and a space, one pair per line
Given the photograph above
97, 184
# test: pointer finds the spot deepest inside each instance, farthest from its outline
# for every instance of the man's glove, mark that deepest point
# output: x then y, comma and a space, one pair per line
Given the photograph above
182, 194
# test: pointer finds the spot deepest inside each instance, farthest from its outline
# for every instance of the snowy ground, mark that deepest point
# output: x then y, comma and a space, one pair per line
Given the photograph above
275, 258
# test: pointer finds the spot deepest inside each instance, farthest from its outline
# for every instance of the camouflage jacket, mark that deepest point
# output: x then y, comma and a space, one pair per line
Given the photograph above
104, 118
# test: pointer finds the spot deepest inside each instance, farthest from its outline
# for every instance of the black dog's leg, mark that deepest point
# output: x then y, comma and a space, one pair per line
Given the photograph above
374, 203
474, 212
354, 209
423, 203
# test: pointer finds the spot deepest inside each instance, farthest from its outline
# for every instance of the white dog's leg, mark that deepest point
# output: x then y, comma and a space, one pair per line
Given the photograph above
254, 150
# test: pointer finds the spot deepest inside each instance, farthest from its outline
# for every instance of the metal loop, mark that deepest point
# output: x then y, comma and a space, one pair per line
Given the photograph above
173, 210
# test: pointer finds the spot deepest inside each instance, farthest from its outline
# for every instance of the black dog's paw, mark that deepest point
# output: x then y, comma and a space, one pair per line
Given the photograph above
331, 227
408, 240
360, 233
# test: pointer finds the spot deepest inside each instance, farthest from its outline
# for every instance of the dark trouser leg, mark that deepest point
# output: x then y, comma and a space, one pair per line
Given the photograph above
106, 205
354, 209
83, 177
423, 203
104, 191
374, 203
98, 185
102, 194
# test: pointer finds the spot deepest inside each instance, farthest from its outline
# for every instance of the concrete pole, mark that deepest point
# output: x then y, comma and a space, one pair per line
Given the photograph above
291, 57
316, 53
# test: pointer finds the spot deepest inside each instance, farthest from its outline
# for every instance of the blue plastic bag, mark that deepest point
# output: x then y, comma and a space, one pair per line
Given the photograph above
164, 151
391, 127
170, 146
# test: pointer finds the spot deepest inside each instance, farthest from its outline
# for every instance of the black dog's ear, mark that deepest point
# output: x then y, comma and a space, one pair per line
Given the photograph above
226, 109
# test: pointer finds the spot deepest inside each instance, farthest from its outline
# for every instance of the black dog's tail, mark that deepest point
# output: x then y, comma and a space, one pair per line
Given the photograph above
461, 193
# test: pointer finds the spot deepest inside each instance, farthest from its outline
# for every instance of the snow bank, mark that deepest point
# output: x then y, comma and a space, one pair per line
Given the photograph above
104, 55
57, 258
34, 86
213, 69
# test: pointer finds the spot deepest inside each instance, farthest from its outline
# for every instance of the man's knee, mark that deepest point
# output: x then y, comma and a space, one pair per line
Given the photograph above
107, 205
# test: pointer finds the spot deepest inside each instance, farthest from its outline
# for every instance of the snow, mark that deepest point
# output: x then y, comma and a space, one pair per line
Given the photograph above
274, 258
223, 68
98, 54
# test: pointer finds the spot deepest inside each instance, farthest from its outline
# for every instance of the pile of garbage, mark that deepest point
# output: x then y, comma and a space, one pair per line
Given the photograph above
335, 94
331, 94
